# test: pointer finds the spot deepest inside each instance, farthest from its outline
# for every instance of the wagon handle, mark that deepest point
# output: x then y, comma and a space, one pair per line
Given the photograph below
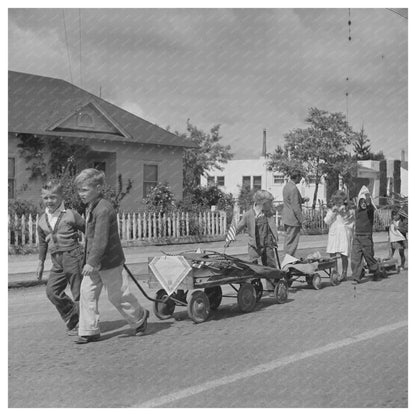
139, 286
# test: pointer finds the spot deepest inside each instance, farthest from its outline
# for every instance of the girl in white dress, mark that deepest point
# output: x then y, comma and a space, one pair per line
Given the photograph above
340, 219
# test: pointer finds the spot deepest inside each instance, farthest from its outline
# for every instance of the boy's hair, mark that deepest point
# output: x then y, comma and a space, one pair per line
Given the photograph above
262, 196
90, 177
53, 185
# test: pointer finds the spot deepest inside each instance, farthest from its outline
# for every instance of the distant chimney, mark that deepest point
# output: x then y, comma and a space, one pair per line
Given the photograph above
403, 155
264, 151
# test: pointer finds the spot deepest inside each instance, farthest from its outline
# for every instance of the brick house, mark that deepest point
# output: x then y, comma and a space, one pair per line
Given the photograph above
120, 142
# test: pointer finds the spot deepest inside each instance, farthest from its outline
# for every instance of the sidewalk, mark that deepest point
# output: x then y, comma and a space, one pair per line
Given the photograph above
22, 268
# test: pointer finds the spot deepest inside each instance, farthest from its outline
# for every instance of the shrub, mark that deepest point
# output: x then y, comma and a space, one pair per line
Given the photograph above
160, 199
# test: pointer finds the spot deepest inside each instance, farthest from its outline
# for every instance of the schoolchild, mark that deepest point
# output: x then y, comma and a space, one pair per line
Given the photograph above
58, 229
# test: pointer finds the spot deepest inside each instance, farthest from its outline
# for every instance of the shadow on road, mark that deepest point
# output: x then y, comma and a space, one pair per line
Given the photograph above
107, 329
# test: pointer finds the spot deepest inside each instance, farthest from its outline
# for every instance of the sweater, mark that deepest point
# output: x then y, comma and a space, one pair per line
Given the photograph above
63, 236
364, 220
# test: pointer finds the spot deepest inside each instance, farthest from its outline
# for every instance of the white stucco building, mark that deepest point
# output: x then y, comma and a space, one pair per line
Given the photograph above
253, 172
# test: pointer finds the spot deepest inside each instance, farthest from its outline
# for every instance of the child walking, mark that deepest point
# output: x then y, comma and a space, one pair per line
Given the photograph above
58, 231
340, 219
262, 231
398, 235
362, 245
104, 259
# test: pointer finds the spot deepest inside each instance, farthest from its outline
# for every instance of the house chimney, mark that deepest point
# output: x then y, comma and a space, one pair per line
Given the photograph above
403, 155
264, 151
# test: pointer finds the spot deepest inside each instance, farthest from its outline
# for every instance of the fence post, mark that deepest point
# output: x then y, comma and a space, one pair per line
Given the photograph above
187, 223
139, 225
128, 227
30, 224
36, 233
16, 235
9, 229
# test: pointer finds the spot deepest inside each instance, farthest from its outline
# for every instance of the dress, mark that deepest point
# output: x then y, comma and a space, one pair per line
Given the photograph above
340, 231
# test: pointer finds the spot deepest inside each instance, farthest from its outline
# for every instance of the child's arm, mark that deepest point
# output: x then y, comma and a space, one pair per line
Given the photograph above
330, 217
100, 240
43, 249
79, 222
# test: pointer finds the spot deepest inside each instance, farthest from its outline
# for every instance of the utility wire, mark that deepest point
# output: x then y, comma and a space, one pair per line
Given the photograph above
67, 47
401, 12
80, 47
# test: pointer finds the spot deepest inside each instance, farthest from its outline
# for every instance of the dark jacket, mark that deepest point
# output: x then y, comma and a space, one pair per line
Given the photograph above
63, 237
102, 242
364, 220
248, 221
292, 205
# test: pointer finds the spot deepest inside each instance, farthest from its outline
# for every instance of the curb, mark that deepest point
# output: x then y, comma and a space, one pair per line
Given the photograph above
33, 282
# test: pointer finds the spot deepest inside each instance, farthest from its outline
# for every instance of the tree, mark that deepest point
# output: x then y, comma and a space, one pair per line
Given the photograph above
362, 148
320, 149
160, 199
209, 154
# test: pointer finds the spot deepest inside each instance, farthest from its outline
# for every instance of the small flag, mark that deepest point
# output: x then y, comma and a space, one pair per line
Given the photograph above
232, 232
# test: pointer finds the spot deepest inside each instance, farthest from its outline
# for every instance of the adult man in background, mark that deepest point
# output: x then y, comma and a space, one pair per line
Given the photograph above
292, 212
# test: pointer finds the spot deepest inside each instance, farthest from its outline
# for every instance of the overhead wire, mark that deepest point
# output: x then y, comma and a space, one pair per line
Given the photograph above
67, 46
80, 46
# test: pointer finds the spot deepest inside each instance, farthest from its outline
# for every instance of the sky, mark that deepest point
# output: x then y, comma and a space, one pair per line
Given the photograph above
245, 69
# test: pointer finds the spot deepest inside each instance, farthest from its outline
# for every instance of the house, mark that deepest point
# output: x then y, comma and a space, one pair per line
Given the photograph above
120, 143
383, 178
253, 173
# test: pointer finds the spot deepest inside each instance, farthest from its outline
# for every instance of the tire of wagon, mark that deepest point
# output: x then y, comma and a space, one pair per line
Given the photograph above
246, 297
214, 296
258, 286
316, 281
163, 310
398, 269
280, 291
335, 278
198, 306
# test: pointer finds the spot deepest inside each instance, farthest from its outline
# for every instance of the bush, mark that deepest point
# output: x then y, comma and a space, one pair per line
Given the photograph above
22, 207
160, 199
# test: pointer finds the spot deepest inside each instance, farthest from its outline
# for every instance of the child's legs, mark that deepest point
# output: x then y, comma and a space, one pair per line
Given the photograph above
402, 257
336, 263
344, 262
72, 263
88, 305
120, 296
55, 288
368, 253
356, 258
268, 259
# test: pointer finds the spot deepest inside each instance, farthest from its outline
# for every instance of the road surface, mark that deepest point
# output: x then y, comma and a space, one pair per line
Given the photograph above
343, 346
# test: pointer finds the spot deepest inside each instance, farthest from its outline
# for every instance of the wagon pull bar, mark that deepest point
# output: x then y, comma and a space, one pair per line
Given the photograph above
139, 286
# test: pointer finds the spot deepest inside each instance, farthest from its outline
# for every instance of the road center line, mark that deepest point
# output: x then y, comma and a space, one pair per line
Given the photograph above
272, 365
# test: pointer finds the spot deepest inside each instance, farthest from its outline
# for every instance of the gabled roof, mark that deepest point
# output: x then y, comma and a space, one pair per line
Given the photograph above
39, 105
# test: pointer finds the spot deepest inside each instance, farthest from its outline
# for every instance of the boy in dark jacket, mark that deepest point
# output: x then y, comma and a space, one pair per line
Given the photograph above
58, 230
362, 244
103, 262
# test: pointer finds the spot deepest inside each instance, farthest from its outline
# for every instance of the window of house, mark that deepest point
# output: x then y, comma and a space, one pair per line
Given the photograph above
278, 179
99, 166
210, 181
12, 173
247, 182
220, 180
150, 178
256, 183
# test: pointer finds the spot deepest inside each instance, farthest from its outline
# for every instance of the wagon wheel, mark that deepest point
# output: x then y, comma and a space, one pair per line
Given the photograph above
258, 286
308, 279
398, 269
335, 278
214, 296
280, 291
246, 297
163, 310
316, 281
198, 306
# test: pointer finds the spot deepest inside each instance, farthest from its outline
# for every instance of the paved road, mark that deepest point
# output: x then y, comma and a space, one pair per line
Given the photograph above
343, 346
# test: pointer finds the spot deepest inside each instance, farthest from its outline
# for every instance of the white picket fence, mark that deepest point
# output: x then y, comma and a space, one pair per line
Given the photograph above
136, 226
